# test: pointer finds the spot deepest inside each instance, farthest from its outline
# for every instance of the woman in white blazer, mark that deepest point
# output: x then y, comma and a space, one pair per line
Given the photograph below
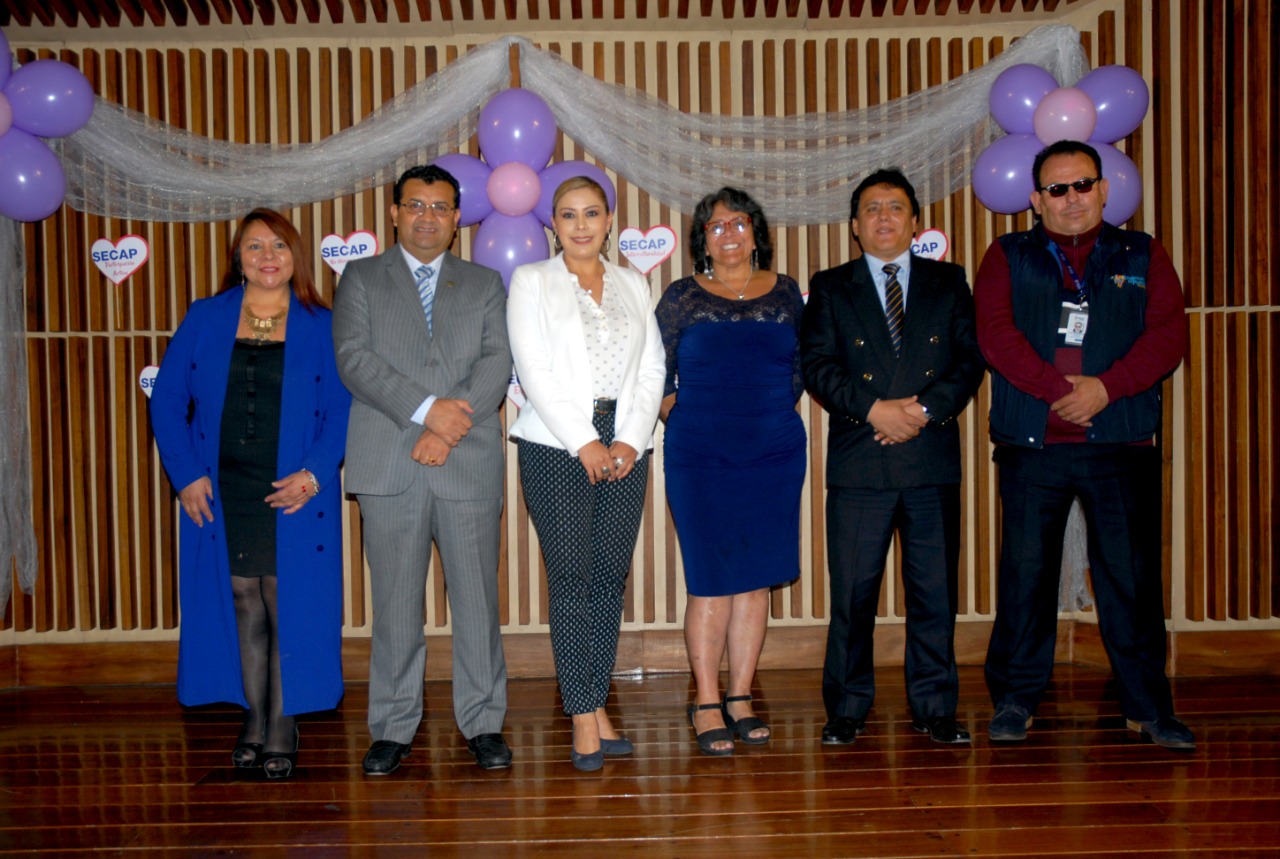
591, 364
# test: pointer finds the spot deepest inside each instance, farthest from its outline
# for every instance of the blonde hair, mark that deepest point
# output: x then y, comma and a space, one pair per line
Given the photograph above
575, 183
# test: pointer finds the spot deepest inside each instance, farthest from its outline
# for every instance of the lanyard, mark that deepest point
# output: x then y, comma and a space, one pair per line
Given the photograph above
1081, 292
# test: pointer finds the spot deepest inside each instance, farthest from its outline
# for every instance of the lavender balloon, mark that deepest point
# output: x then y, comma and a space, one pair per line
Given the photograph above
32, 183
557, 173
473, 182
1121, 98
503, 242
49, 98
1124, 185
1064, 114
1002, 174
513, 188
517, 125
1014, 96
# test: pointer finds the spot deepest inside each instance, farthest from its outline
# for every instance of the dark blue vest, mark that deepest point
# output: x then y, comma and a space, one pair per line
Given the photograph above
1116, 278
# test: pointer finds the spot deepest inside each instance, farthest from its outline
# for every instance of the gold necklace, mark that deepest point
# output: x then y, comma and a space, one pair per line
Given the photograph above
262, 329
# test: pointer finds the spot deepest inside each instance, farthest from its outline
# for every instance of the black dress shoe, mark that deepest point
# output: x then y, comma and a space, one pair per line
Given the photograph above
384, 757
843, 730
491, 751
942, 729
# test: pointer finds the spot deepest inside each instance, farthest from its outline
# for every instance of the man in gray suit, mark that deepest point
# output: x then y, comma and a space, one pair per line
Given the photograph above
421, 340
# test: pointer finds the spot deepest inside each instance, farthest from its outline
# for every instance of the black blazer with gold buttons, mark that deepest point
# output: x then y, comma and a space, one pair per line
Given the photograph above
849, 363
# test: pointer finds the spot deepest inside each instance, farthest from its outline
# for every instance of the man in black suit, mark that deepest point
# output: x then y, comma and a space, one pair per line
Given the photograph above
888, 347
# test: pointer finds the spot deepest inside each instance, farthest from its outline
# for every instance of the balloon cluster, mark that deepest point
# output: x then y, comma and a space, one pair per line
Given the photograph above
1105, 105
509, 193
46, 98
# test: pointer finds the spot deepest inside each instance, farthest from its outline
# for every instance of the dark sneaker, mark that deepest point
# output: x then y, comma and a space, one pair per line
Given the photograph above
1165, 731
1009, 724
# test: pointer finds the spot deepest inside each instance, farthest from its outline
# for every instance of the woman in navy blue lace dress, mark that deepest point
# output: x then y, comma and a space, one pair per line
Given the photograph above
734, 451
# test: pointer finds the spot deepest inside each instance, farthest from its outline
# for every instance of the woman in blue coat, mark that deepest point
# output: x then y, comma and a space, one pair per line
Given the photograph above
251, 421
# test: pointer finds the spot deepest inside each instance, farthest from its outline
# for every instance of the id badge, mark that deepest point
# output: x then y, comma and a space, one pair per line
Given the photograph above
1074, 323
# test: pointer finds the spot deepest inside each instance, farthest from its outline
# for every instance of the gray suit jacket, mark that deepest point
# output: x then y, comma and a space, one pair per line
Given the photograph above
390, 363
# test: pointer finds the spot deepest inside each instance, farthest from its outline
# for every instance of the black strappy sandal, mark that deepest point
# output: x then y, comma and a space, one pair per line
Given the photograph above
716, 735
743, 727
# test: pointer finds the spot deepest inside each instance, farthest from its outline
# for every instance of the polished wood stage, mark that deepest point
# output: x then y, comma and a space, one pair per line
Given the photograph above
124, 770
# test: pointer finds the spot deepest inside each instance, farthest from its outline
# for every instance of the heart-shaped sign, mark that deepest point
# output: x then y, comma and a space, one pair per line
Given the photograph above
931, 244
121, 259
147, 379
647, 250
337, 251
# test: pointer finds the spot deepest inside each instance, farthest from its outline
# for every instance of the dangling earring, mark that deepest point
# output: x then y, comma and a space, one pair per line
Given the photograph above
604, 249
753, 260
559, 247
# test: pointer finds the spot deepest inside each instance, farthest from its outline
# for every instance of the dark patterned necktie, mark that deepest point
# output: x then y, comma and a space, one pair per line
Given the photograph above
426, 290
893, 305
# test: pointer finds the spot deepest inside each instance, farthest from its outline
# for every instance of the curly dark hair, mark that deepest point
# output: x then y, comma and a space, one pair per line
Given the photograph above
429, 173
735, 201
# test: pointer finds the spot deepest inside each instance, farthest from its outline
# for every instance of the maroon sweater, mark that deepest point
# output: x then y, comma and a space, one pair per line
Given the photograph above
1161, 345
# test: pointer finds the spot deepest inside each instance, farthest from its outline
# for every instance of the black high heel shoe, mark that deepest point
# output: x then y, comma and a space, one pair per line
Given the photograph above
247, 761
285, 762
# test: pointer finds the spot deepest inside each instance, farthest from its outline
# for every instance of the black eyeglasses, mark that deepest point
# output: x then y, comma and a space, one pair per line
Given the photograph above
1060, 189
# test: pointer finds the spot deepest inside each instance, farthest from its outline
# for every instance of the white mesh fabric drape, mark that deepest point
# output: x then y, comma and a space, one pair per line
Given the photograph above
801, 168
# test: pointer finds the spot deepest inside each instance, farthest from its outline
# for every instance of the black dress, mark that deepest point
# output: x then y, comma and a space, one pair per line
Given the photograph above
247, 455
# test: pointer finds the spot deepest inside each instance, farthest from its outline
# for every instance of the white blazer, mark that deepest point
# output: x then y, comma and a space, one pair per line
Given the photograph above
550, 352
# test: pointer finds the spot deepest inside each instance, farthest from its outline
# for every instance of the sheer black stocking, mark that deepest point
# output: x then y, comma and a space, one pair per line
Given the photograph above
257, 624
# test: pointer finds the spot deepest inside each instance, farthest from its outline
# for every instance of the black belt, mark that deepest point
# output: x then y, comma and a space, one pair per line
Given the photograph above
605, 407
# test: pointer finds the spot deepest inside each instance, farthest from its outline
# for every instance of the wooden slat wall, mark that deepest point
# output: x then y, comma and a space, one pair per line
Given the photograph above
104, 515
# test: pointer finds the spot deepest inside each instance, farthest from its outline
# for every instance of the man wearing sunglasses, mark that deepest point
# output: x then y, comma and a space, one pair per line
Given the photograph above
1081, 322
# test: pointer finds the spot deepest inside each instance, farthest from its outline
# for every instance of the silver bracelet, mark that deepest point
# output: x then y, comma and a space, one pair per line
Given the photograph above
315, 484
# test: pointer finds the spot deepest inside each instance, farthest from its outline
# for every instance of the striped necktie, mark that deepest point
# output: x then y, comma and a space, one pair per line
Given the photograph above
893, 305
426, 290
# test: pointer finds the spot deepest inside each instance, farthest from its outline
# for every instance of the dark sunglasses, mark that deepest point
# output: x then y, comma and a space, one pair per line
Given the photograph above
1081, 186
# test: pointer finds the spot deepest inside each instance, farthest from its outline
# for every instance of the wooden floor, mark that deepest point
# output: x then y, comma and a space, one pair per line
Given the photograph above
124, 769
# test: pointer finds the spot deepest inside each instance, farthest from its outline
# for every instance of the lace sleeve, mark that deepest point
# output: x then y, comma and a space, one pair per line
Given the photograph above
671, 322
792, 316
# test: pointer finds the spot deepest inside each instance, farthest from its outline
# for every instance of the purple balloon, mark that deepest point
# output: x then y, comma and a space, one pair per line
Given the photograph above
504, 242
517, 125
6, 59
50, 98
1064, 114
473, 181
1121, 98
1016, 93
558, 173
1124, 185
32, 183
1002, 174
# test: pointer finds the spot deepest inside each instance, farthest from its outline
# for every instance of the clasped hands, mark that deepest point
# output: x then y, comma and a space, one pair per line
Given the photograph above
897, 421
291, 493
1088, 397
607, 463
447, 422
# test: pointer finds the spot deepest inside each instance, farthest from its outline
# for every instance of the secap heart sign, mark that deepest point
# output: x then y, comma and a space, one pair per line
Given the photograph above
147, 379
120, 259
337, 251
646, 251
931, 244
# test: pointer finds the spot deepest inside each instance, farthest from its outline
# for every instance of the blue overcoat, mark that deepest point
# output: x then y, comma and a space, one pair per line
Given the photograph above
313, 430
